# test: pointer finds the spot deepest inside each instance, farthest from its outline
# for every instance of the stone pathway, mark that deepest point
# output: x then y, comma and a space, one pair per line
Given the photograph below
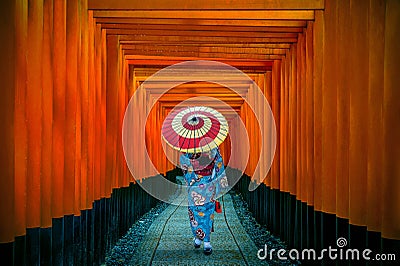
169, 240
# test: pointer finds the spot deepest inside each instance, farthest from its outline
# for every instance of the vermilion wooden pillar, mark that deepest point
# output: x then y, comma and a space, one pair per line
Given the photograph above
343, 112
318, 42
376, 43
309, 115
47, 107
20, 125
34, 113
329, 112
276, 110
8, 75
391, 171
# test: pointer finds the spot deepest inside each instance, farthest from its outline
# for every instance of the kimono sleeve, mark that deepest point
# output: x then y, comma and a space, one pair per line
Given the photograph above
187, 168
220, 181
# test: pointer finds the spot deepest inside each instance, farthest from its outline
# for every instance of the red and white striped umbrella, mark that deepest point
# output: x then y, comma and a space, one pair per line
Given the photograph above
194, 129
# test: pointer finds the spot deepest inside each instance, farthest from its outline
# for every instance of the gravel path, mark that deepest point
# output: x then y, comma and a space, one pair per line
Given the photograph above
125, 250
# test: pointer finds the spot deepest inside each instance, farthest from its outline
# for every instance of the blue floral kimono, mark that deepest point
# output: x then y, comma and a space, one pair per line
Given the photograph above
205, 177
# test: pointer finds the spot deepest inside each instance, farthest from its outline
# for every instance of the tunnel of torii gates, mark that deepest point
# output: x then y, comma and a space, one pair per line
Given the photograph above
329, 70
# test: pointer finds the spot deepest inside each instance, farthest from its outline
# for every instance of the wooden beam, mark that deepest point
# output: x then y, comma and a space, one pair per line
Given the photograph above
198, 99
203, 22
181, 97
261, 66
225, 45
190, 102
200, 88
209, 14
218, 73
204, 54
204, 39
145, 72
205, 49
205, 28
206, 44
229, 114
208, 88
135, 60
225, 109
215, 4
244, 34
176, 93
221, 106
196, 87
201, 54
231, 111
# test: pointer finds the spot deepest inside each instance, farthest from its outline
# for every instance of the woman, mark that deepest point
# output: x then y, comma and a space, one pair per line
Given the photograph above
205, 177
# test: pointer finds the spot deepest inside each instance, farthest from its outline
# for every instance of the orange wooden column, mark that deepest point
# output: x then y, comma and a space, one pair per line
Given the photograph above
260, 125
71, 91
112, 91
376, 90
243, 115
267, 125
81, 72
20, 126
104, 182
298, 169
391, 110
59, 85
318, 43
169, 166
291, 178
101, 111
254, 142
150, 138
343, 111
34, 113
120, 162
83, 167
276, 110
309, 114
358, 84
47, 109
301, 123
250, 126
253, 130
284, 136
92, 115
10, 11
97, 109
304, 138
128, 85
122, 104
329, 111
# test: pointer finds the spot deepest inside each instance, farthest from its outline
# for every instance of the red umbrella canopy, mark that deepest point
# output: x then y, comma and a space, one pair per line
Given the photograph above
194, 129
